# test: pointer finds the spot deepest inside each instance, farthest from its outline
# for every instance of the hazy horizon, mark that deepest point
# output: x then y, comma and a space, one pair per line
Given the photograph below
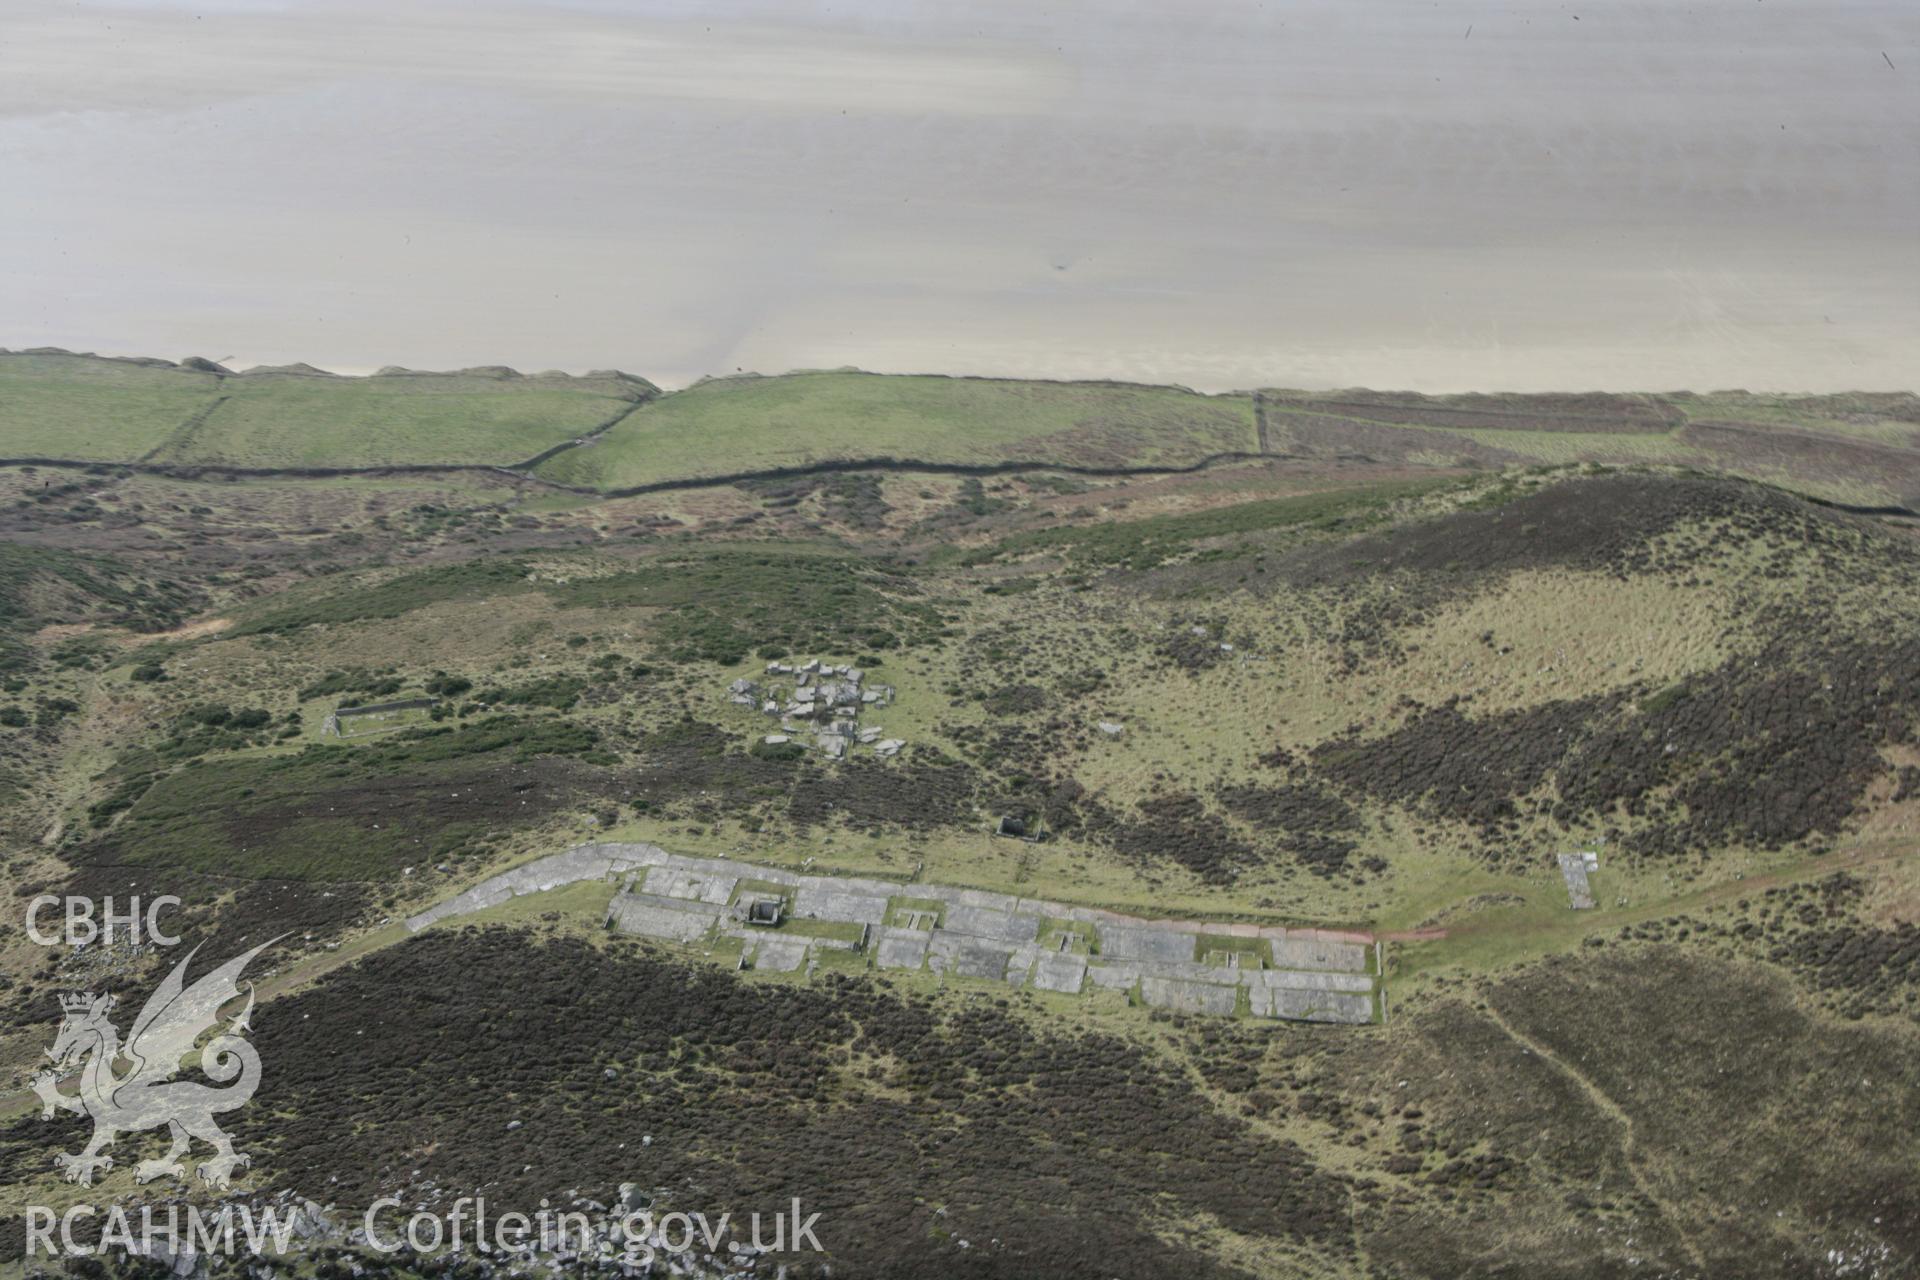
1436, 197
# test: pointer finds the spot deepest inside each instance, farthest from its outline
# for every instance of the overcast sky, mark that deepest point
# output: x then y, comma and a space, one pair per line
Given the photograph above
1443, 195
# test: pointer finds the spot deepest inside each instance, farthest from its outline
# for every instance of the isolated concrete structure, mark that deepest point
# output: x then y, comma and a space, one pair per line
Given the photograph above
971, 934
1573, 869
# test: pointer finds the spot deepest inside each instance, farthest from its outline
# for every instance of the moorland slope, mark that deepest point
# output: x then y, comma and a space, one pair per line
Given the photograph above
1372, 668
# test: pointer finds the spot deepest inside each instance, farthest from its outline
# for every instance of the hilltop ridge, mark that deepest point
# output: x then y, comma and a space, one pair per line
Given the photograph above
612, 432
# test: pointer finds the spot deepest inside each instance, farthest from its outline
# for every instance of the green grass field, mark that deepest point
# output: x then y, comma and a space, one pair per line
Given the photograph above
743, 424
84, 408
294, 421
106, 410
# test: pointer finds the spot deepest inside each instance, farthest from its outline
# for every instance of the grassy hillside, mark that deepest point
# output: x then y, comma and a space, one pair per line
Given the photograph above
729, 425
43, 586
1347, 704
94, 409
1862, 449
61, 406
274, 420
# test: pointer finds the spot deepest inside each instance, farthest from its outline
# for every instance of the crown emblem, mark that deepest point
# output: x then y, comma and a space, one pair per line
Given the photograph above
80, 1001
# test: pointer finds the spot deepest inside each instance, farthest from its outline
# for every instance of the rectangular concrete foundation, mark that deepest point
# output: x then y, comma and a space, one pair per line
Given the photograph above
650, 919
1311, 1006
1065, 974
1319, 953
1573, 869
780, 955
671, 882
968, 959
901, 949
1189, 997
1299, 981
1113, 977
825, 902
982, 922
1140, 942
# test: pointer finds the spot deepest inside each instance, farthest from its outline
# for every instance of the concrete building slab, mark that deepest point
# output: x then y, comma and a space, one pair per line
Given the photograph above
1063, 973
1302, 980
828, 902
645, 919
1143, 942
982, 898
1188, 996
983, 922
968, 958
1573, 869
780, 955
1319, 953
1185, 970
698, 886
905, 950
1311, 1006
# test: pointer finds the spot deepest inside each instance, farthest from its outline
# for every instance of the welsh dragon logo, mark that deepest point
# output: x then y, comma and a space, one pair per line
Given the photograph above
145, 1094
